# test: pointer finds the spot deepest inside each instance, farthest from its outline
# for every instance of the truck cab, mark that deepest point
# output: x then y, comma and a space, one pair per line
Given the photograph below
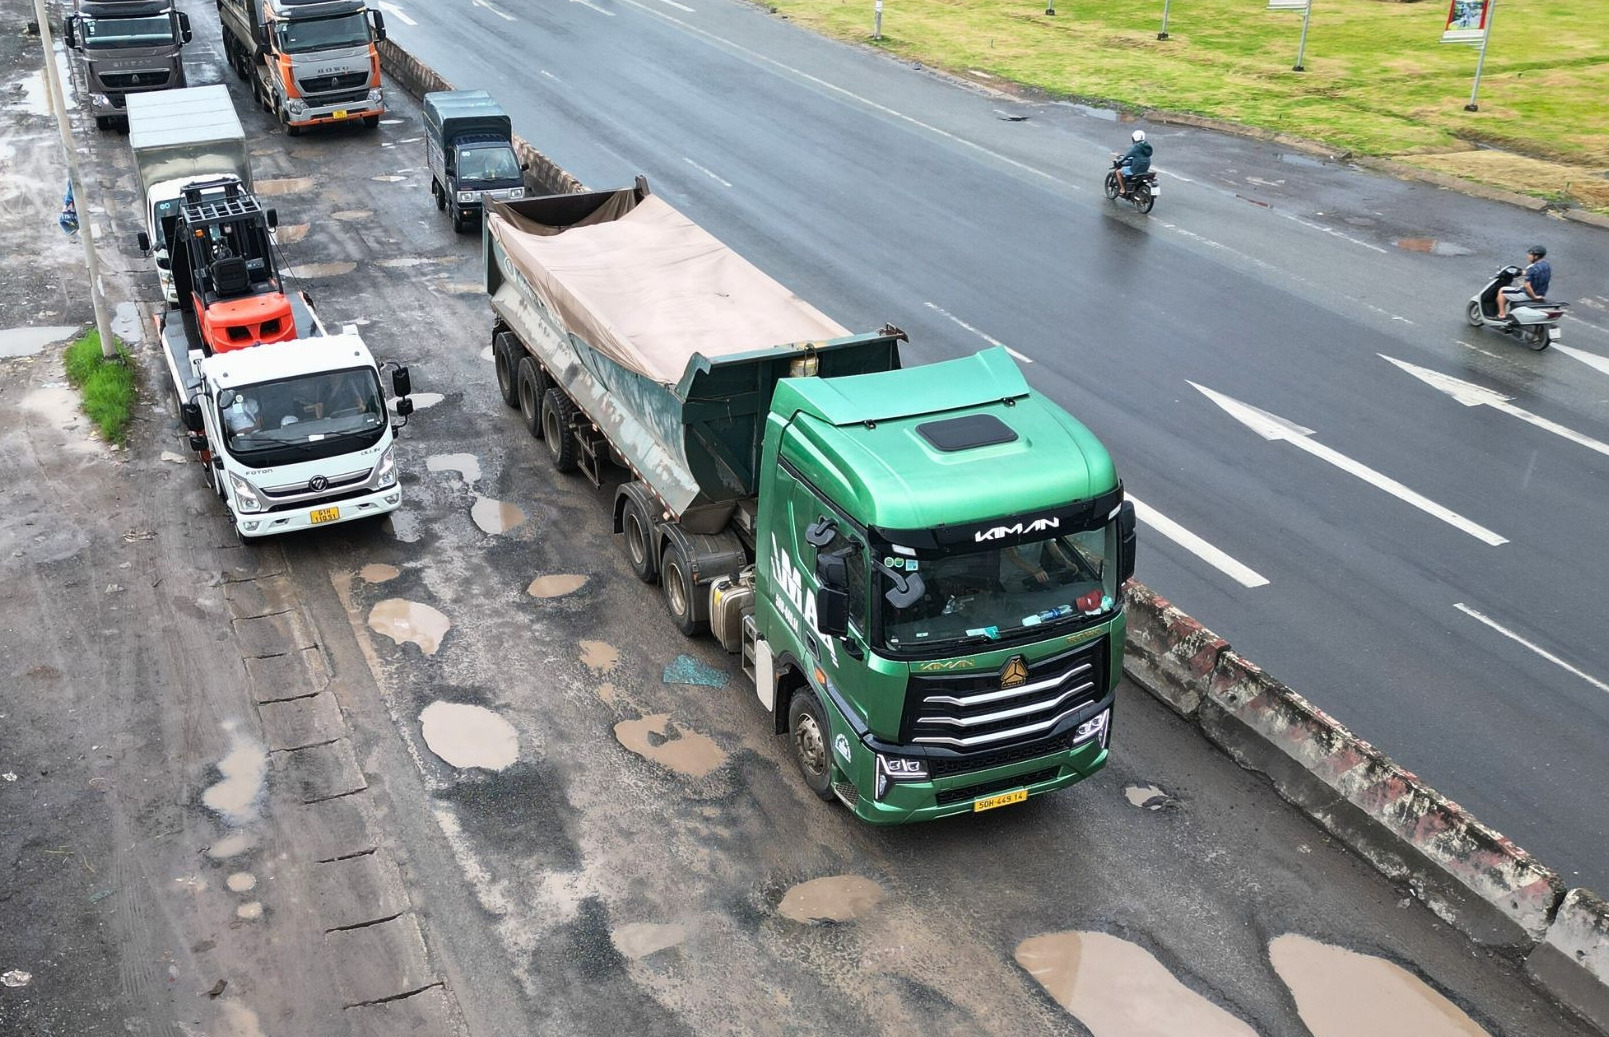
469, 148
127, 47
310, 62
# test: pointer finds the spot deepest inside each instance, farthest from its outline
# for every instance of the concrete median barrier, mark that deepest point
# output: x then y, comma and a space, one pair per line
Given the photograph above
1572, 961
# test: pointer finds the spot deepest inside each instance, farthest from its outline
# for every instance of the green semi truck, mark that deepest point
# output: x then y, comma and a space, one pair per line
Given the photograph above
920, 568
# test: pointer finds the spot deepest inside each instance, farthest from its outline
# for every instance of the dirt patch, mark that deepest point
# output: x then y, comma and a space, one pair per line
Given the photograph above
1580, 185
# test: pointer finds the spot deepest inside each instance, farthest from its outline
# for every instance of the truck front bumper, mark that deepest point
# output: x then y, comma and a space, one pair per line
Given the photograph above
321, 115
318, 515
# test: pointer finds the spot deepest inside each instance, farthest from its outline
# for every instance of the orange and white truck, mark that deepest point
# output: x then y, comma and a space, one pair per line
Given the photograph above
309, 62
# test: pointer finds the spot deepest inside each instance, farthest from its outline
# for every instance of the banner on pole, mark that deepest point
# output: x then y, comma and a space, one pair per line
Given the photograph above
1288, 5
1466, 21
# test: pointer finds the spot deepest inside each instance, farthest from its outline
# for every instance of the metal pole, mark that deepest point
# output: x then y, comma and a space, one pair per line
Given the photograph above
1480, 63
1301, 49
877, 22
58, 101
1164, 33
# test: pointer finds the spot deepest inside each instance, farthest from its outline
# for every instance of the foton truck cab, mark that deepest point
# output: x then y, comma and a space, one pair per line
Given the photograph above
310, 62
128, 47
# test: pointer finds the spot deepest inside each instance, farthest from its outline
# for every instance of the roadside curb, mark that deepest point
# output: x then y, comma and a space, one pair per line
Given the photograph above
1471, 876
1467, 873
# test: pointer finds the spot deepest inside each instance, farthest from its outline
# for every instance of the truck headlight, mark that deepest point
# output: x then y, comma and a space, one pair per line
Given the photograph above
385, 473
246, 498
516, 193
296, 106
892, 769
466, 196
376, 95
1094, 727
99, 99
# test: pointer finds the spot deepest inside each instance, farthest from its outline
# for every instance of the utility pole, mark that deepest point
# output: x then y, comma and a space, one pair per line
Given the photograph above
58, 101
1480, 62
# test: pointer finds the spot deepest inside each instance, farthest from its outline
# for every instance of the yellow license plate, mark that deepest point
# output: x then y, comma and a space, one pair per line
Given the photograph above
339, 113
1005, 799
330, 515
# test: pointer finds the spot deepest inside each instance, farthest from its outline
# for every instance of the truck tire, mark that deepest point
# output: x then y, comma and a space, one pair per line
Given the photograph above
285, 122
441, 195
371, 122
639, 532
530, 387
459, 223
810, 739
507, 374
676, 580
103, 122
558, 418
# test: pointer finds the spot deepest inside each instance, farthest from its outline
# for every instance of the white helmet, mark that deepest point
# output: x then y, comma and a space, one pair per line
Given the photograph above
1138, 136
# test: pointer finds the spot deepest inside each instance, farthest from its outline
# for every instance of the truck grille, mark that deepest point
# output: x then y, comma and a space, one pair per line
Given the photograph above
327, 84
133, 80
301, 495
944, 797
944, 767
975, 713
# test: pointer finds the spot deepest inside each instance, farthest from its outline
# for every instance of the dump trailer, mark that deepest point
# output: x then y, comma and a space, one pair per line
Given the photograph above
921, 569
469, 147
128, 47
181, 137
309, 62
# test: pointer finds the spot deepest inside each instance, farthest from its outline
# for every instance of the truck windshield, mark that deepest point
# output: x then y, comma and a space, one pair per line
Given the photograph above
488, 164
342, 30
1024, 592
270, 417
151, 31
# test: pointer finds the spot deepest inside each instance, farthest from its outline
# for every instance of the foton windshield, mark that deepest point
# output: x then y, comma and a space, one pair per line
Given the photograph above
343, 30
303, 418
983, 595
152, 31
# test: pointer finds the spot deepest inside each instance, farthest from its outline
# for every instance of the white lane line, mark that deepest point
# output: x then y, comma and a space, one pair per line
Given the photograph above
1543, 652
501, 14
679, 7
941, 311
1274, 428
706, 172
1471, 395
1235, 570
1592, 360
1331, 231
396, 12
595, 7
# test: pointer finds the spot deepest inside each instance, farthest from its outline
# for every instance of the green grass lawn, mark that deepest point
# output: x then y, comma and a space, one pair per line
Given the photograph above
107, 386
1378, 81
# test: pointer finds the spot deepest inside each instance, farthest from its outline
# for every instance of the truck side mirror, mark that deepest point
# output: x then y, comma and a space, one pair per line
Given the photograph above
185, 35
190, 413
69, 34
401, 383
832, 571
377, 20
832, 611
1125, 542
272, 216
144, 241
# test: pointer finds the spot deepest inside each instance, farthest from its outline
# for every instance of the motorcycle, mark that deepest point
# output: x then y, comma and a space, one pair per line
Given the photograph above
1142, 187
1535, 322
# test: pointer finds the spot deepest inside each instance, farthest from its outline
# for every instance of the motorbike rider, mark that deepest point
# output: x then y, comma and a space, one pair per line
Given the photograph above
1135, 161
1533, 282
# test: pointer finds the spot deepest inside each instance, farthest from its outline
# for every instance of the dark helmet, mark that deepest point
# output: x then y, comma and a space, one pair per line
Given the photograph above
1538, 250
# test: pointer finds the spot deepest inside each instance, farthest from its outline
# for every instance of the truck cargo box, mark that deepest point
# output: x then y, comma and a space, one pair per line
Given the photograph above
181, 133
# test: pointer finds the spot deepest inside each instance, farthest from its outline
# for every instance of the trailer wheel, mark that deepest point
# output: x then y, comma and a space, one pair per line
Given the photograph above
558, 418
676, 580
636, 528
507, 377
809, 737
529, 385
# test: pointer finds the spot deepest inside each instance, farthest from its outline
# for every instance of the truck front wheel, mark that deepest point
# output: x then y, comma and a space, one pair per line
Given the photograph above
676, 580
558, 418
808, 735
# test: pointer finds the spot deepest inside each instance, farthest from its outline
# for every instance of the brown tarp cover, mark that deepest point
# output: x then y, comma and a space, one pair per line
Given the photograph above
648, 287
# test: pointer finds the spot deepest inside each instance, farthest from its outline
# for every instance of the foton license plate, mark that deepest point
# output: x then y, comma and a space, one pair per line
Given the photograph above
339, 113
1005, 799
330, 515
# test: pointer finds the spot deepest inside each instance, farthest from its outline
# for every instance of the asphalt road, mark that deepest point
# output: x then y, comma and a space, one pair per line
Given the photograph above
1432, 573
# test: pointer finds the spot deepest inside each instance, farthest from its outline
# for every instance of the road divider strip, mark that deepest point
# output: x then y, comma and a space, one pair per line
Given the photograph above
1471, 876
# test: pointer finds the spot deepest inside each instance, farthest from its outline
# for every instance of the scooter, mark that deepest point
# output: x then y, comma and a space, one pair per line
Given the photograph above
1142, 187
1534, 322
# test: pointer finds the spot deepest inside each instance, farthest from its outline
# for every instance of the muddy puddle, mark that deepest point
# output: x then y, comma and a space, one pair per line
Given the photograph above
640, 939
378, 573
1118, 989
655, 738
495, 516
1148, 797
606, 693
556, 586
1340, 993
388, 178
461, 288
402, 620
1433, 247
351, 215
241, 882
237, 797
403, 262
425, 400
283, 185
232, 845
290, 234
836, 898
27, 341
249, 911
466, 465
469, 736
599, 655
336, 269
125, 323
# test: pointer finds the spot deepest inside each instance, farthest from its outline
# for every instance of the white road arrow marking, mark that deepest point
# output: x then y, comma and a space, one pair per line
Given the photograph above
1273, 427
1592, 360
482, 3
397, 12
1240, 573
1472, 395
1544, 653
941, 311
